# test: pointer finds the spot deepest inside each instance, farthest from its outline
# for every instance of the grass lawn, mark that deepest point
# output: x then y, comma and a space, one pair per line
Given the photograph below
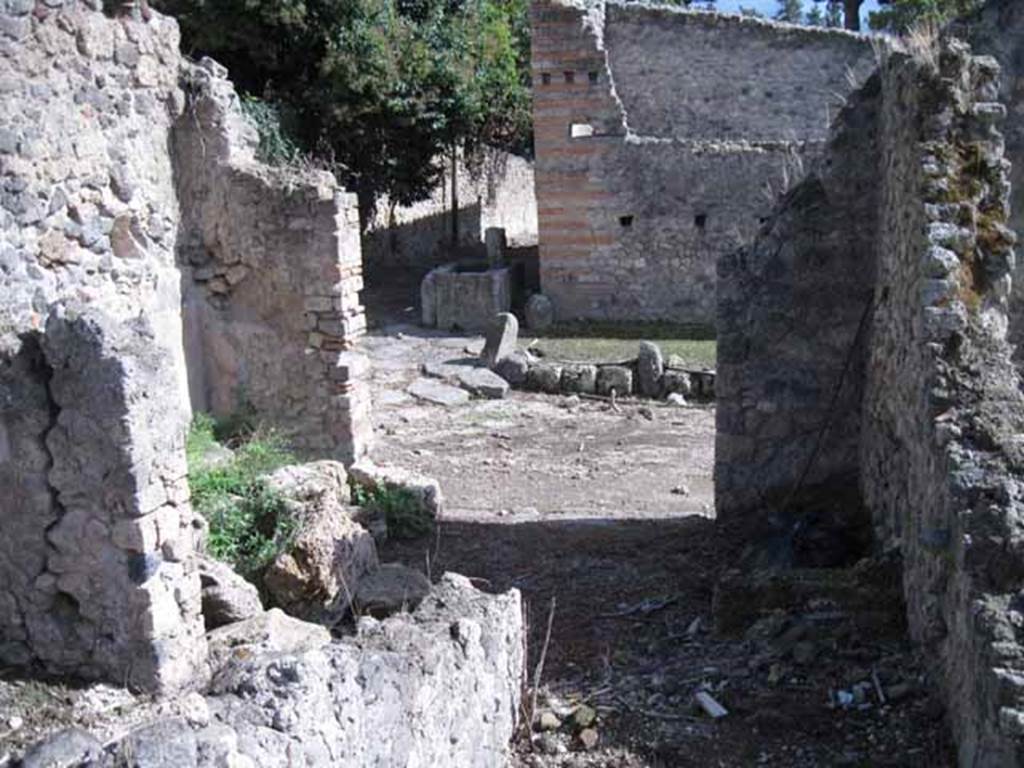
608, 342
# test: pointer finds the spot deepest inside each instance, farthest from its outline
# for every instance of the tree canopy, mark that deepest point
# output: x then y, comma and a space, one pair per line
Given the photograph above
383, 88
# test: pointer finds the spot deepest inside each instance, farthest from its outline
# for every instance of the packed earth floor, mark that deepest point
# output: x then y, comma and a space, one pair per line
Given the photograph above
602, 516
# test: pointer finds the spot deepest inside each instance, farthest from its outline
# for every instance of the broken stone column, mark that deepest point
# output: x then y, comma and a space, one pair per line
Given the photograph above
118, 595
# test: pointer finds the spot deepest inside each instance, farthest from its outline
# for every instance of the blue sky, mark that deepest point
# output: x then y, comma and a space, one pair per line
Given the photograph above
768, 7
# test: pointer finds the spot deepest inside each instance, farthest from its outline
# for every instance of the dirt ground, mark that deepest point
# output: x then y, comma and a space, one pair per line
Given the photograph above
606, 516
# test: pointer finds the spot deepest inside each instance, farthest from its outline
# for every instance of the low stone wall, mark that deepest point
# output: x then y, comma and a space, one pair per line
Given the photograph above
272, 272
863, 358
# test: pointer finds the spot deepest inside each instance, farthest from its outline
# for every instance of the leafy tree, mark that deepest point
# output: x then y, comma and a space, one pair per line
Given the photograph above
382, 88
900, 15
752, 12
815, 17
833, 14
790, 10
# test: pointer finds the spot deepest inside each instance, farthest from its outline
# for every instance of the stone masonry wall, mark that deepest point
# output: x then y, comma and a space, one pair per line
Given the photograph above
654, 157
998, 30
792, 314
942, 464
271, 269
863, 355
418, 236
95, 576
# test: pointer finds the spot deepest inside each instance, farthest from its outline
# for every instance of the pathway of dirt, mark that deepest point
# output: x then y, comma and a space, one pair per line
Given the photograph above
606, 512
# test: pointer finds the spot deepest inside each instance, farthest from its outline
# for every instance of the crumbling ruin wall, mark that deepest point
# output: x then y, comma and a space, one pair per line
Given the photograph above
271, 274
919, 405
655, 157
793, 310
998, 30
95, 577
942, 464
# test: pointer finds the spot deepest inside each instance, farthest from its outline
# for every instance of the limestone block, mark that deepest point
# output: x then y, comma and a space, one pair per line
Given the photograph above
540, 312
483, 383
544, 377
226, 596
649, 368
513, 368
391, 588
500, 339
580, 379
614, 378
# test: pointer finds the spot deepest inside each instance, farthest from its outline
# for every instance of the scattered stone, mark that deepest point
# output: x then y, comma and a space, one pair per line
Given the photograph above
676, 399
649, 369
15, 723
540, 312
483, 383
548, 721
681, 490
544, 377
163, 744
614, 378
676, 382
513, 368
899, 692
424, 491
438, 393
583, 717
501, 337
271, 632
588, 738
227, 597
69, 748
710, 706
580, 379
645, 412
391, 588
805, 652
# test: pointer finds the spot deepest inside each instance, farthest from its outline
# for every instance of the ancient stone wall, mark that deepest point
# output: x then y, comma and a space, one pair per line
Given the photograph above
792, 314
654, 158
271, 270
103, 128
942, 465
901, 397
95, 577
998, 30
418, 236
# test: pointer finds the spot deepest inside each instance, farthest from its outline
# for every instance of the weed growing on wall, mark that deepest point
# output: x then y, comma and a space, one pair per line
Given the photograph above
404, 515
249, 522
276, 146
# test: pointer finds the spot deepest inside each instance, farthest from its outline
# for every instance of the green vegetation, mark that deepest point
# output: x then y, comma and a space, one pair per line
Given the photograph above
901, 15
384, 91
249, 523
276, 147
597, 342
403, 514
